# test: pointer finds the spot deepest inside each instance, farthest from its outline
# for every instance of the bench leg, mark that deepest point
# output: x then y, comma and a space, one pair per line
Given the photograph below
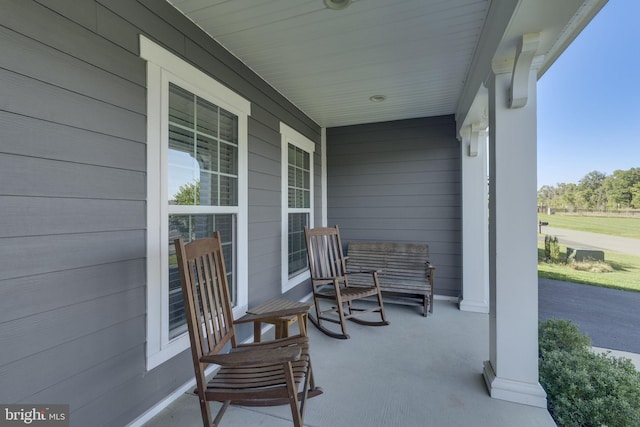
431, 301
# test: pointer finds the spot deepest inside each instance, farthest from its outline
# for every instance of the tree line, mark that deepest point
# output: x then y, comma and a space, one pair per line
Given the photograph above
596, 191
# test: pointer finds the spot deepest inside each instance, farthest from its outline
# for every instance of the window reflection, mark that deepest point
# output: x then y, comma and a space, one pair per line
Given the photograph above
203, 152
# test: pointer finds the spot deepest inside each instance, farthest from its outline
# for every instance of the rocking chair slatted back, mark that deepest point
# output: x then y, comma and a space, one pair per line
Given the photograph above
325, 254
205, 271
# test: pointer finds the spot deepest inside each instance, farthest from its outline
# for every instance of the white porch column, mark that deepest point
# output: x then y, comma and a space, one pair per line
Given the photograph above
511, 373
475, 220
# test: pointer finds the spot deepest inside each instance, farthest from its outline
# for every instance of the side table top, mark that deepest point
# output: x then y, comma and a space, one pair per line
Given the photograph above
277, 305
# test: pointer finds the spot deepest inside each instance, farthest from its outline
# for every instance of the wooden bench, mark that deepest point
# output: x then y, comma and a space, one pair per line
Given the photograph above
404, 271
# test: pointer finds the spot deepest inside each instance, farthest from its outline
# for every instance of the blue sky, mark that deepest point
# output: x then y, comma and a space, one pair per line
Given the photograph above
589, 100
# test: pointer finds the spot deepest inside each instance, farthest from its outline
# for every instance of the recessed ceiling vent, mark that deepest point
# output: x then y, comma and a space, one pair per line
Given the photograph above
337, 4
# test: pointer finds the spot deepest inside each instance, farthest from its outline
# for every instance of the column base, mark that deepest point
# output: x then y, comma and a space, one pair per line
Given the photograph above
513, 391
474, 306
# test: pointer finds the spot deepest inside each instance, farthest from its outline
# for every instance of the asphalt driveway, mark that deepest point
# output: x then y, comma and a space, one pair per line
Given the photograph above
610, 317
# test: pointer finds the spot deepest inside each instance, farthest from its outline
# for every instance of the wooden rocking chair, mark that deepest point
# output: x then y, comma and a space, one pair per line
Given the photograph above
258, 374
330, 281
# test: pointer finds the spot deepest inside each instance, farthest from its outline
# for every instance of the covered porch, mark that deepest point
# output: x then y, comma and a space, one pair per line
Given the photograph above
403, 111
415, 372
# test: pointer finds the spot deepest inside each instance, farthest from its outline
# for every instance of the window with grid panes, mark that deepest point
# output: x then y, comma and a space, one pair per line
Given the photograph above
298, 205
202, 173
299, 202
196, 184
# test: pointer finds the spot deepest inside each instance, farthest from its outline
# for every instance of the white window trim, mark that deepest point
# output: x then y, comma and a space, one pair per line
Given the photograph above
323, 176
162, 67
291, 136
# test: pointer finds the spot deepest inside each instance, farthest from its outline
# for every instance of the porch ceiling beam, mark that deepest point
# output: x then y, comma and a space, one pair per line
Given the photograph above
498, 18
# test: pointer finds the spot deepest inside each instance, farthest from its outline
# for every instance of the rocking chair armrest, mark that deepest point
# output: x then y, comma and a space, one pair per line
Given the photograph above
271, 314
255, 357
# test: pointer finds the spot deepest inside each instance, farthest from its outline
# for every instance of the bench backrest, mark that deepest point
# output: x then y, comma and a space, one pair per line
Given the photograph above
400, 264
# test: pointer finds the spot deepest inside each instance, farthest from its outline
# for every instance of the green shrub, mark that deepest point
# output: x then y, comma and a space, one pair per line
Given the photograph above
561, 335
554, 250
585, 389
551, 249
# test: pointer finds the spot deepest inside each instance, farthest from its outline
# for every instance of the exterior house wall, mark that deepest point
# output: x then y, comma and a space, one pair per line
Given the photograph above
400, 181
73, 192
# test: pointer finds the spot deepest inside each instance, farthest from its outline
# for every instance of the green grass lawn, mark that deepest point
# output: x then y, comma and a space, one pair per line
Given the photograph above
626, 274
626, 268
614, 226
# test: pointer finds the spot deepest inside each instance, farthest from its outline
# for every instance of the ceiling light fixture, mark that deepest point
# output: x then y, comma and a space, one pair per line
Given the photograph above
337, 4
377, 98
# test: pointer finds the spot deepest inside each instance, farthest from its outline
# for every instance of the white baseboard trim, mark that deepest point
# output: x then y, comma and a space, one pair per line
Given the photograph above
474, 306
445, 298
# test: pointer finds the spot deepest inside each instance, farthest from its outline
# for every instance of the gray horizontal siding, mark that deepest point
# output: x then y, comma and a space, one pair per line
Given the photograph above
265, 210
73, 199
45, 292
79, 11
110, 373
34, 373
22, 95
347, 200
265, 181
400, 181
37, 61
38, 138
388, 162
51, 328
33, 216
25, 256
55, 30
125, 400
42, 177
390, 187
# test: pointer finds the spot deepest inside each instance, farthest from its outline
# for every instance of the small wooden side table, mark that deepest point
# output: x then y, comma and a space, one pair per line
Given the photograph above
282, 323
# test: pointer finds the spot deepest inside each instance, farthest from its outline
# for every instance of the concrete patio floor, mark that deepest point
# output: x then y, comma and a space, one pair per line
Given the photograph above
415, 372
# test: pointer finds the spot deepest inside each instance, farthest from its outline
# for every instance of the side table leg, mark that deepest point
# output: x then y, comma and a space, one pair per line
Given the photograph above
282, 328
257, 331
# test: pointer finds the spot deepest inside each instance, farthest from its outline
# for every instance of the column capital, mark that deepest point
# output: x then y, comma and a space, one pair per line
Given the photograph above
470, 134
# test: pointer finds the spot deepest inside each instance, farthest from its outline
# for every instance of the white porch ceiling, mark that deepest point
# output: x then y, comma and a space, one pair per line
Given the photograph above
417, 53
328, 62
